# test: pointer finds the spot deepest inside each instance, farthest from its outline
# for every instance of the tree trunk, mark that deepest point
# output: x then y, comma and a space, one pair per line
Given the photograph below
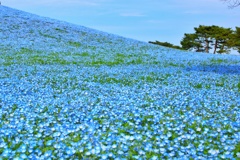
207, 45
215, 46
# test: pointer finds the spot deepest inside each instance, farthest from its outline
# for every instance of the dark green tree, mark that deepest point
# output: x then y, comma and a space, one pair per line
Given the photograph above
219, 39
207, 36
222, 39
204, 35
191, 42
166, 44
236, 39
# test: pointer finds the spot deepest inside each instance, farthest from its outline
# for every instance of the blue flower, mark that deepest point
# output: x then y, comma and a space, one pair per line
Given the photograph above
67, 91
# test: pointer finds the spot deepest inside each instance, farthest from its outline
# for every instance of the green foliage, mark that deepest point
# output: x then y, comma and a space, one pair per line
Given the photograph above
198, 86
47, 35
1, 150
166, 44
79, 155
74, 44
236, 39
223, 39
238, 86
216, 61
236, 149
205, 38
84, 54
204, 33
28, 56
60, 30
190, 41
208, 37
47, 149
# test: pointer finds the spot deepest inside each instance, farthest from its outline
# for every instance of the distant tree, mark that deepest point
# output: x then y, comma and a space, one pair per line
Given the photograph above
191, 42
236, 39
166, 44
232, 3
198, 41
237, 33
204, 36
222, 39
207, 36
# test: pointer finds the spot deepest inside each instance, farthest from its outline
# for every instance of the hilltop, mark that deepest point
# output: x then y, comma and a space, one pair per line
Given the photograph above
71, 92
21, 30
24, 31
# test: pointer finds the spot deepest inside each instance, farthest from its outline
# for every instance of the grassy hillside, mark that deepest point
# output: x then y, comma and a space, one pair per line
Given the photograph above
71, 92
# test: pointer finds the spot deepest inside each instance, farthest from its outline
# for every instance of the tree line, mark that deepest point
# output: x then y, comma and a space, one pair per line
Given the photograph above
217, 39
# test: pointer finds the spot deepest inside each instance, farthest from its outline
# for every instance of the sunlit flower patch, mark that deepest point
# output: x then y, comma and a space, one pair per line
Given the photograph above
69, 92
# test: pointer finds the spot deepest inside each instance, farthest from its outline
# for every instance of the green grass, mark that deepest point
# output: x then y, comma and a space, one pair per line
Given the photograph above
48, 148
130, 81
60, 30
198, 86
74, 44
237, 150
147, 120
217, 61
47, 35
27, 56
84, 54
79, 155
152, 77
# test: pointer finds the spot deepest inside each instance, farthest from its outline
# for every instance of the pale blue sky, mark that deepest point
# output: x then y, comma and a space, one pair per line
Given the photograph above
145, 20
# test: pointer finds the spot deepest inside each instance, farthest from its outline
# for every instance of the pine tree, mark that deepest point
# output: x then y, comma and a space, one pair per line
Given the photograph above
236, 39
207, 36
221, 39
191, 42
166, 44
204, 35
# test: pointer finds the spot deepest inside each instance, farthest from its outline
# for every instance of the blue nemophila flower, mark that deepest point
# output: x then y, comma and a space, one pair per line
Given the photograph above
49, 143
56, 134
48, 153
104, 156
57, 146
80, 93
70, 151
154, 158
120, 152
22, 148
238, 154
213, 152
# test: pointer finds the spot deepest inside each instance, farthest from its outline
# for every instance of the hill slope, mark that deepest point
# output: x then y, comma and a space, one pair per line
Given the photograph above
73, 92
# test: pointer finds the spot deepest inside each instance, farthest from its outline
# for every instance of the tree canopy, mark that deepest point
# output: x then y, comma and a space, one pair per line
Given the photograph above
236, 39
165, 44
192, 42
208, 38
205, 38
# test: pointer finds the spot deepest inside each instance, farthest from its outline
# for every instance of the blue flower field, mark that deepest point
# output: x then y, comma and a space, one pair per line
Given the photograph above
70, 92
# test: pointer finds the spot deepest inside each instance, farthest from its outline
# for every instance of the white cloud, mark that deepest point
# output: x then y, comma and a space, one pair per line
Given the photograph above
132, 14
155, 21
